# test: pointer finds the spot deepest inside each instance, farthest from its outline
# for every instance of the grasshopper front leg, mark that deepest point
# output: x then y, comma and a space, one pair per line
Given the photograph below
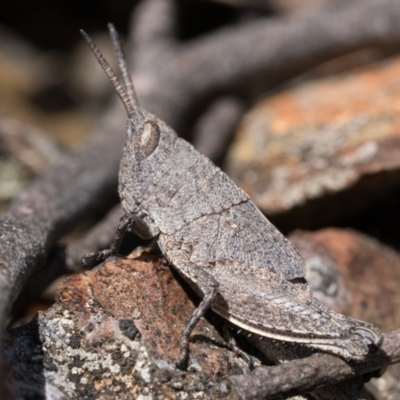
129, 223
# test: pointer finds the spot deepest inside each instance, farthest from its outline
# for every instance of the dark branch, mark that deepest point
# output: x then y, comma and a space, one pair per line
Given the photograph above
153, 28
275, 48
215, 128
302, 376
243, 57
55, 203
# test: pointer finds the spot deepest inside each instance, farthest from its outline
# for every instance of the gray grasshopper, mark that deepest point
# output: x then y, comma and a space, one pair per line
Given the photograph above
216, 238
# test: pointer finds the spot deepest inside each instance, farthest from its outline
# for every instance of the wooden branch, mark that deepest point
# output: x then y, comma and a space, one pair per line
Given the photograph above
54, 203
215, 128
275, 48
239, 57
301, 376
153, 29
282, 352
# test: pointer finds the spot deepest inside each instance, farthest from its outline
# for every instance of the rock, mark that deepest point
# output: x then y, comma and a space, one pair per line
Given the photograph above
322, 150
114, 333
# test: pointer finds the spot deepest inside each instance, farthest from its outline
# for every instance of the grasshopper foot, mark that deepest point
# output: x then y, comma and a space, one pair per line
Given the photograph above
97, 256
182, 362
231, 344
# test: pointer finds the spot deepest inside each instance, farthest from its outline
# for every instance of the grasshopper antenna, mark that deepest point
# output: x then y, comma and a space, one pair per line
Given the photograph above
122, 93
126, 77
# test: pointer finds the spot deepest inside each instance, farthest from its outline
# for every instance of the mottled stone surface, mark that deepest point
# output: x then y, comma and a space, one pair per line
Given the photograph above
113, 333
324, 149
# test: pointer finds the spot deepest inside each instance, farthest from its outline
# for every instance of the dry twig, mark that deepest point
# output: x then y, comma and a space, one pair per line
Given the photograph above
301, 376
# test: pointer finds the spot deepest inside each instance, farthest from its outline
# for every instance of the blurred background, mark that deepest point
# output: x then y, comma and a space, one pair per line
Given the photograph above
48, 76
316, 143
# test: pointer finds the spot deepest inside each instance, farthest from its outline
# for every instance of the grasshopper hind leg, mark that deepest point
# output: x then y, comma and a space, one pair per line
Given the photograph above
232, 345
210, 288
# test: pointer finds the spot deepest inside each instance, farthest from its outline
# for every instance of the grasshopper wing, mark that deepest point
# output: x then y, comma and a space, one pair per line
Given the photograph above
262, 303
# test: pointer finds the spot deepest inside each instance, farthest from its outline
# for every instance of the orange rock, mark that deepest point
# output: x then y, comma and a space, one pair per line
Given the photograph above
322, 149
145, 291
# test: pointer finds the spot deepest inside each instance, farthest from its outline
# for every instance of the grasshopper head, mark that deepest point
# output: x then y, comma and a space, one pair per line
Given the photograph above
149, 140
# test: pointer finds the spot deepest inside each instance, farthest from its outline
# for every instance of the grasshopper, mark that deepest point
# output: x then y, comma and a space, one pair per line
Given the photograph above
241, 266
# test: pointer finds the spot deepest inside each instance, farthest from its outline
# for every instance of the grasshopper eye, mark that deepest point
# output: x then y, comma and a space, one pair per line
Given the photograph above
148, 140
